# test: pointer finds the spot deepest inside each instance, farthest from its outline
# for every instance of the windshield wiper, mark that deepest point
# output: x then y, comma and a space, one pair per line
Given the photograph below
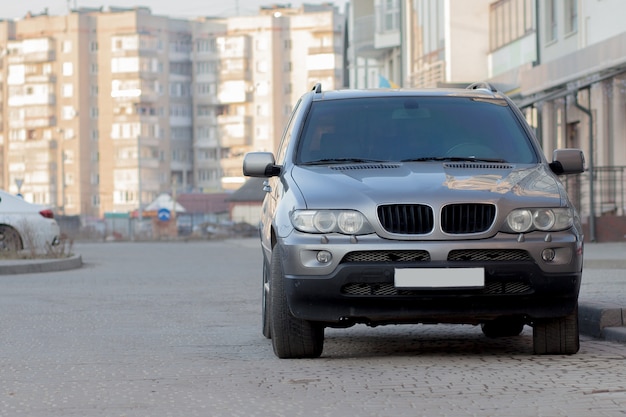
341, 160
453, 159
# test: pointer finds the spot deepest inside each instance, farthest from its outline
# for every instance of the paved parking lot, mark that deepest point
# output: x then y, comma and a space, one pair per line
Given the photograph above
173, 329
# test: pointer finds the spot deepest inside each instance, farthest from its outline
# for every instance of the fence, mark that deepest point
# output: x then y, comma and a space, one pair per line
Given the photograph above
609, 204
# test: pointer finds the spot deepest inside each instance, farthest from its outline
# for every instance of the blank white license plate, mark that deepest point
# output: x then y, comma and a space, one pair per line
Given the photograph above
439, 277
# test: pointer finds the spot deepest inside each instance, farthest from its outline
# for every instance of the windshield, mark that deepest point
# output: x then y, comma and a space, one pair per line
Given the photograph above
419, 129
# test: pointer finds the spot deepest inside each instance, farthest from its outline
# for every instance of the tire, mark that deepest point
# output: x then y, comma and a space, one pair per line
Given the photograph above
503, 327
265, 301
291, 337
10, 241
557, 336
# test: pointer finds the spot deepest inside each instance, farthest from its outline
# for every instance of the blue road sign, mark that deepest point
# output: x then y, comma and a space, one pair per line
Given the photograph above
164, 214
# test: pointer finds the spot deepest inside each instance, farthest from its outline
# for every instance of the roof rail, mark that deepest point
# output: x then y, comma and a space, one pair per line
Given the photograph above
317, 88
482, 84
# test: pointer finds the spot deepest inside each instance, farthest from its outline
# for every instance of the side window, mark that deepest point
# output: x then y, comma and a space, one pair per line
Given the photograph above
284, 143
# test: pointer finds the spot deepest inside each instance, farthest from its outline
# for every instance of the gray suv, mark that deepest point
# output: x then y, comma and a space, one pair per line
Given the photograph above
416, 206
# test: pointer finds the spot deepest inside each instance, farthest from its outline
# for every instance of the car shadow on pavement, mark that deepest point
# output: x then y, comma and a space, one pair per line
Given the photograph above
422, 340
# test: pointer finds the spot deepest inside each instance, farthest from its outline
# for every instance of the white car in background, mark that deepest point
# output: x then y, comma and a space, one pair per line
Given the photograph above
26, 226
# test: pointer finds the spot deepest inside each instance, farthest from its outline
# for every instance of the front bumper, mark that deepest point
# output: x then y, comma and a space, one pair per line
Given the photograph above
357, 285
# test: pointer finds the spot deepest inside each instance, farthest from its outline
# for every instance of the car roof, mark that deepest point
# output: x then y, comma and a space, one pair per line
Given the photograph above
485, 93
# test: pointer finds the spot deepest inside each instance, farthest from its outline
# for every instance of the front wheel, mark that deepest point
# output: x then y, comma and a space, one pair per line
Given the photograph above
291, 337
558, 336
265, 299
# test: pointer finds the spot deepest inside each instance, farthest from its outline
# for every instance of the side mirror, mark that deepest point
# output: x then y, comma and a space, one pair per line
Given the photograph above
567, 161
260, 164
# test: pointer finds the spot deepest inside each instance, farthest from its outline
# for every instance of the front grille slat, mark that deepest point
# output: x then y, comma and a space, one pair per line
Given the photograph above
407, 219
467, 218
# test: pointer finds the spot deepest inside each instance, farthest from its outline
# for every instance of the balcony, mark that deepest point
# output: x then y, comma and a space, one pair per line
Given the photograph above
234, 46
234, 130
206, 77
35, 122
231, 75
234, 92
27, 100
388, 39
206, 143
32, 57
206, 99
235, 69
148, 141
328, 49
325, 73
41, 78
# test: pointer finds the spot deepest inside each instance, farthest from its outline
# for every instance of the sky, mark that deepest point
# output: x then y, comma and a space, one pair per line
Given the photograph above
12, 9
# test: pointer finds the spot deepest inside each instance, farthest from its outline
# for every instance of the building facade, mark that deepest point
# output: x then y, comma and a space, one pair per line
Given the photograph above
105, 109
417, 43
45, 62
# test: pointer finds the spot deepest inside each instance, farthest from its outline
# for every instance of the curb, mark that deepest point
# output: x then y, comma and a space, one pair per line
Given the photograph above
29, 266
602, 321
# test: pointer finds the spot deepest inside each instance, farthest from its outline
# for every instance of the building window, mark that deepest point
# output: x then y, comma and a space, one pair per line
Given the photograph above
66, 46
262, 132
125, 64
389, 16
68, 112
68, 69
68, 90
261, 44
262, 66
262, 110
206, 67
571, 16
509, 21
205, 45
205, 88
551, 22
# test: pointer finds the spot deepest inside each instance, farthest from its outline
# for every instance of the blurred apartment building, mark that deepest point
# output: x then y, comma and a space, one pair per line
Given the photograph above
103, 110
562, 61
417, 43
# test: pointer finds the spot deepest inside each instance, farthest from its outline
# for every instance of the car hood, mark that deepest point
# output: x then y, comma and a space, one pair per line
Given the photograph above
432, 183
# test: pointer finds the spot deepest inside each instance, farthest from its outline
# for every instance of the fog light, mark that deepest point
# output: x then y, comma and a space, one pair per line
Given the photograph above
548, 255
324, 256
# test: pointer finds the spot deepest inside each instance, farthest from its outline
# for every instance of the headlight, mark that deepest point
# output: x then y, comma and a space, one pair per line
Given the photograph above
347, 222
544, 219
